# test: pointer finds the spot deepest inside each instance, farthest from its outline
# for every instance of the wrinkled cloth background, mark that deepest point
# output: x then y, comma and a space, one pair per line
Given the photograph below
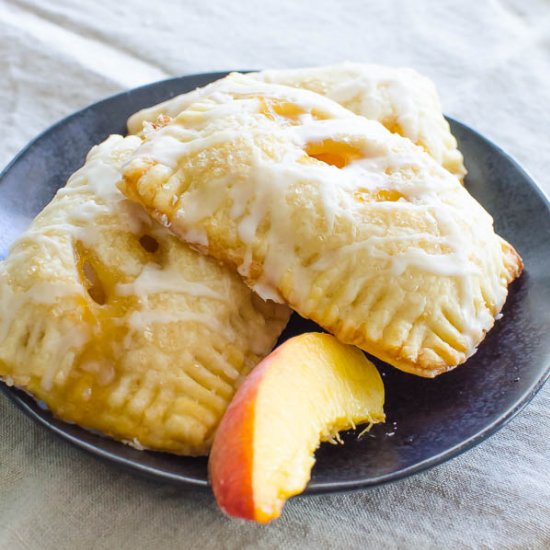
491, 63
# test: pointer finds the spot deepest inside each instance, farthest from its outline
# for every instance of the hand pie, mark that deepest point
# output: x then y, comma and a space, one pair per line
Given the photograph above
118, 326
404, 101
351, 225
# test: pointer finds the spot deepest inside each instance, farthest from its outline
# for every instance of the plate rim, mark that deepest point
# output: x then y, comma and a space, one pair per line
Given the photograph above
45, 418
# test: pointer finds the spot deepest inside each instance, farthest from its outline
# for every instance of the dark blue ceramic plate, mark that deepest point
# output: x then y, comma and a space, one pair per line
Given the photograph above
429, 421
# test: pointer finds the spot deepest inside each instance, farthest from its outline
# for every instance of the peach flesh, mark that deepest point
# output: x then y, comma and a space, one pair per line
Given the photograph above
305, 392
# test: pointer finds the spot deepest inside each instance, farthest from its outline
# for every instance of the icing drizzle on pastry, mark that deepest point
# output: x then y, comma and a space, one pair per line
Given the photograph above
409, 217
403, 100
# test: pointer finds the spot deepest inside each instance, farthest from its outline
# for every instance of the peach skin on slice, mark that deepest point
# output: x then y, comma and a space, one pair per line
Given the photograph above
305, 392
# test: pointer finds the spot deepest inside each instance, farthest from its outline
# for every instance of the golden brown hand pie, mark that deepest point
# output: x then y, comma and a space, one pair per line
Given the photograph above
351, 225
118, 326
404, 101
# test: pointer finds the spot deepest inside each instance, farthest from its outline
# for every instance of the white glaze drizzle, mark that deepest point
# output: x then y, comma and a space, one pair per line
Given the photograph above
153, 280
435, 193
93, 196
391, 95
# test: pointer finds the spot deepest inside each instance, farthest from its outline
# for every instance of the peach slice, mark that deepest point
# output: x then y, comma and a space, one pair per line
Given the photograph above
305, 392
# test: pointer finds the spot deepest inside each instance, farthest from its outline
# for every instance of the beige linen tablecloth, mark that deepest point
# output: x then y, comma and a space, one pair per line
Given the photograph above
491, 62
